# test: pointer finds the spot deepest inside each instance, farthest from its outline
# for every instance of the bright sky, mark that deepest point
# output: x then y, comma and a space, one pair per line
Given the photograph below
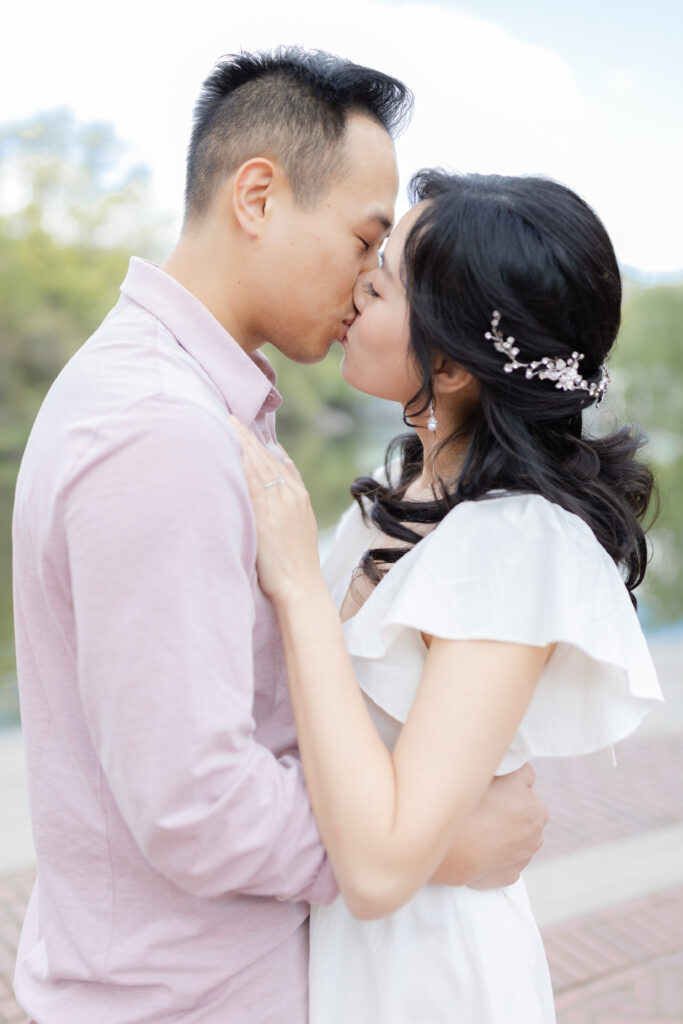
589, 92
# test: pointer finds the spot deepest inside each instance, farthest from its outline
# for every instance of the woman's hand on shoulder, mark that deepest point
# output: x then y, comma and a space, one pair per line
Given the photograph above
288, 558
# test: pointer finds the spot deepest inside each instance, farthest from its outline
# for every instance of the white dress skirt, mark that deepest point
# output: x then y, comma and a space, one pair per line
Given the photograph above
514, 568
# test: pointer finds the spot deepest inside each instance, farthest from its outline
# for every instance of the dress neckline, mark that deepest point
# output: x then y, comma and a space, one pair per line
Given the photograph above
349, 577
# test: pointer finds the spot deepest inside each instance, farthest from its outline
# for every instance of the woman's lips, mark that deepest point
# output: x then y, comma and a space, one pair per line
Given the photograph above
345, 330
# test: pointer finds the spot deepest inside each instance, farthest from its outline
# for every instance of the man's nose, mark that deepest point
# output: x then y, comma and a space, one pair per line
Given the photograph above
371, 259
359, 294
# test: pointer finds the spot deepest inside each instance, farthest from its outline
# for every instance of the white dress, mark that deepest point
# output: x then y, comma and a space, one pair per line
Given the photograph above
514, 568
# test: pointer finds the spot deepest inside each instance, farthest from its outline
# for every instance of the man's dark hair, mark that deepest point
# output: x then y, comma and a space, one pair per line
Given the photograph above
291, 105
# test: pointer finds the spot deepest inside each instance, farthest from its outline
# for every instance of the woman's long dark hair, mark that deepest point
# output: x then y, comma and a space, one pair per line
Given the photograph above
535, 251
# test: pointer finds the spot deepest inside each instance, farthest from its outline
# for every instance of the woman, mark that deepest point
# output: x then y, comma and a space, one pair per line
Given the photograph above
485, 586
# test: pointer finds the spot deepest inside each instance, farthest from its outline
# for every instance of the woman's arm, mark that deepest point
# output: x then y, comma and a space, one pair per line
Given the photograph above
387, 820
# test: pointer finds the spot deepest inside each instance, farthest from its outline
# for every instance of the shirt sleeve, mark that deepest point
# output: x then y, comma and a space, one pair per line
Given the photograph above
519, 569
161, 546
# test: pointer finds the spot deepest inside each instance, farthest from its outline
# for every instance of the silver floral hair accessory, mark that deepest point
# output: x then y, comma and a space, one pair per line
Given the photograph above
565, 372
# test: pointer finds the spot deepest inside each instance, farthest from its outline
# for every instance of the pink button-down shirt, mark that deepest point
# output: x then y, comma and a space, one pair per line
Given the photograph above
174, 836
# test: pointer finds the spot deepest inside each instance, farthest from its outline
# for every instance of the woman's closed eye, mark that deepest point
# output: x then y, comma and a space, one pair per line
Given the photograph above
367, 287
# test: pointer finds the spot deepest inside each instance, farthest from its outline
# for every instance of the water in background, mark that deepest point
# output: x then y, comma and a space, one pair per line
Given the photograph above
9, 705
338, 444
328, 459
55, 289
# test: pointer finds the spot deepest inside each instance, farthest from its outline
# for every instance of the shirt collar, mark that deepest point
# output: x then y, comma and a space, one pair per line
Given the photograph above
246, 382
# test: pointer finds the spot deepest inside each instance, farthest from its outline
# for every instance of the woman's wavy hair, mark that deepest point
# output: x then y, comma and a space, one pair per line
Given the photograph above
532, 249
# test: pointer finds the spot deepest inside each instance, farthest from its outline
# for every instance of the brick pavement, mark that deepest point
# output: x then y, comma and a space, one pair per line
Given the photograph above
592, 802
620, 965
623, 965
649, 994
14, 894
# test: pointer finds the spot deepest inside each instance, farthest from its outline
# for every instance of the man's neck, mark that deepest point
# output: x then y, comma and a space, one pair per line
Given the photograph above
205, 270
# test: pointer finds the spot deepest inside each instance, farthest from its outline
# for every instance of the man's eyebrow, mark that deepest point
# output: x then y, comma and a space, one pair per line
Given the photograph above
380, 218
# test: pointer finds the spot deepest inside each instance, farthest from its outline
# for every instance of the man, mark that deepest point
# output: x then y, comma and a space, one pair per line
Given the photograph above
176, 848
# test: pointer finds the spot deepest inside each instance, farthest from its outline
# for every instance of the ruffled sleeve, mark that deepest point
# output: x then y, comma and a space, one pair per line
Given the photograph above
518, 568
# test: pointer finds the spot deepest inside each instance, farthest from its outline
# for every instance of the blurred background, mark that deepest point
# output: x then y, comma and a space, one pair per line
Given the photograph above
95, 121
95, 113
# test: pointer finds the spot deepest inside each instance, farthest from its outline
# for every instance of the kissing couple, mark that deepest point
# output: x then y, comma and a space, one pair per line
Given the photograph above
219, 734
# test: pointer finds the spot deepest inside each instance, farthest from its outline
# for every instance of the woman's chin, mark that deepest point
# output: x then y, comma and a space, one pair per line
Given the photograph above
344, 368
349, 376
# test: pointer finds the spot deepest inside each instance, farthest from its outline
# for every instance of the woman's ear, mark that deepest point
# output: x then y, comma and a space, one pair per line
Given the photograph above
252, 190
448, 378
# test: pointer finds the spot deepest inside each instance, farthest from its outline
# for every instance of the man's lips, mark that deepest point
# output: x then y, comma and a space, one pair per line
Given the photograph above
345, 330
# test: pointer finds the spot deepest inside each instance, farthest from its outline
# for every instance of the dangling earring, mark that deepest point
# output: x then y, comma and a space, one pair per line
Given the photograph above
432, 422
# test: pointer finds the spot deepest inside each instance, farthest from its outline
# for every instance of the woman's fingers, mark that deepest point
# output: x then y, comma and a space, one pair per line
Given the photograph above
266, 465
290, 465
256, 471
287, 532
263, 465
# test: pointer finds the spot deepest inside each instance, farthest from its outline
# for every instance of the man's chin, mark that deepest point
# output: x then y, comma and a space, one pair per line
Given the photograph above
303, 350
311, 354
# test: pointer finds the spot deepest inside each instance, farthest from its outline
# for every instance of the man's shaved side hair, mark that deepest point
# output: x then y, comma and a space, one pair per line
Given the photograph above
290, 105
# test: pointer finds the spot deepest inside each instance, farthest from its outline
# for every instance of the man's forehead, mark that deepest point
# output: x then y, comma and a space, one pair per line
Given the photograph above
370, 177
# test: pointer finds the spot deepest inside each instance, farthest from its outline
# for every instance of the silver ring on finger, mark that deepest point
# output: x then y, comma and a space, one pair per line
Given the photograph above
272, 483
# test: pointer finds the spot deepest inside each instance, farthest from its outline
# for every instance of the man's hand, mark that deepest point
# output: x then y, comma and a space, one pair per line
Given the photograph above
500, 837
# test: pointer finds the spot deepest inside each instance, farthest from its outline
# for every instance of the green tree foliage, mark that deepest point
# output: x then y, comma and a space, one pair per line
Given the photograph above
63, 254
72, 214
332, 432
649, 367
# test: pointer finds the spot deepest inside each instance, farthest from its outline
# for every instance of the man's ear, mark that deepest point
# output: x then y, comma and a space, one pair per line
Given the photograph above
252, 191
449, 378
